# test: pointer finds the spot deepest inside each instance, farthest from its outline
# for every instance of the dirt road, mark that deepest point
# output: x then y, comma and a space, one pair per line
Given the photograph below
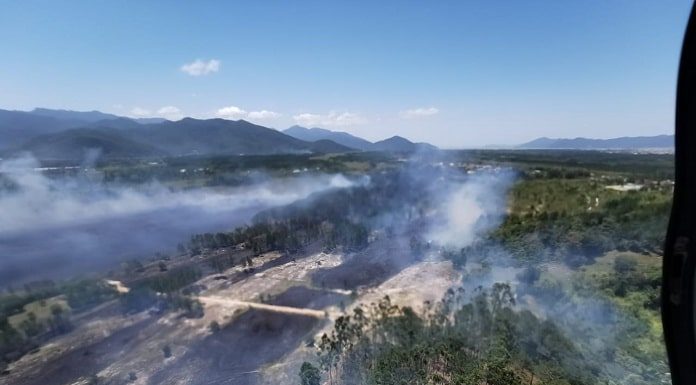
212, 301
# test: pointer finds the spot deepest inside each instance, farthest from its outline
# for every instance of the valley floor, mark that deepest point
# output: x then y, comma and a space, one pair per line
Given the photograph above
265, 322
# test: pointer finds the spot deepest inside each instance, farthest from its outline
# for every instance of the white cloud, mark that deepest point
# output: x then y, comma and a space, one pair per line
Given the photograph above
170, 112
138, 111
263, 115
307, 119
231, 112
418, 112
200, 67
235, 113
332, 119
345, 119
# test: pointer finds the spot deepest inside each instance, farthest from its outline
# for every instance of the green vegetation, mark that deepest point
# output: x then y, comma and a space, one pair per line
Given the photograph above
577, 220
38, 311
309, 374
339, 218
460, 340
172, 280
584, 308
590, 251
572, 163
234, 170
632, 282
86, 293
590, 332
43, 310
163, 291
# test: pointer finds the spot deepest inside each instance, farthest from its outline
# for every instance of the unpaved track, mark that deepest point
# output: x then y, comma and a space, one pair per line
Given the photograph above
211, 301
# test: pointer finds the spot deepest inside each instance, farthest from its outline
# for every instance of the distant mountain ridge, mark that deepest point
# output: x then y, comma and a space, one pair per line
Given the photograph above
122, 138
77, 143
16, 127
64, 134
316, 133
621, 143
393, 144
86, 116
400, 144
69, 135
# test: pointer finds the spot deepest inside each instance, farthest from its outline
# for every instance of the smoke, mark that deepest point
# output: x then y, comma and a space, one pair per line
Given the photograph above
469, 208
40, 202
52, 227
464, 208
68, 224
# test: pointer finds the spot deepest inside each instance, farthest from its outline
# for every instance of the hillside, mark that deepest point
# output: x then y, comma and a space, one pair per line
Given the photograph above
400, 144
626, 142
16, 127
328, 147
216, 136
75, 144
315, 134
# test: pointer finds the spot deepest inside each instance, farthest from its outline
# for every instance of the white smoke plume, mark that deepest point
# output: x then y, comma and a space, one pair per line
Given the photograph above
469, 208
38, 201
74, 224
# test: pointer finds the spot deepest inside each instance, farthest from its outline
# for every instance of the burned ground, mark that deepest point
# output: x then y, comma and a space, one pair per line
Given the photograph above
378, 262
235, 353
84, 361
304, 297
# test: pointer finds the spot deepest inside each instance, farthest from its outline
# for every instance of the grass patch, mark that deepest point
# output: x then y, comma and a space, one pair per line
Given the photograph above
40, 308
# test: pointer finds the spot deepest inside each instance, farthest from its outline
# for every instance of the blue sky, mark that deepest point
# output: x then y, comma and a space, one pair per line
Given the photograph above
457, 73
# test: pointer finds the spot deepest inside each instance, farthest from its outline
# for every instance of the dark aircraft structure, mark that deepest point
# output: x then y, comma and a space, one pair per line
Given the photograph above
679, 264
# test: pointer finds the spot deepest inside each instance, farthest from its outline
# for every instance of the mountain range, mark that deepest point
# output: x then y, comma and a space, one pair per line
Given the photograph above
64, 134
622, 143
314, 134
393, 144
